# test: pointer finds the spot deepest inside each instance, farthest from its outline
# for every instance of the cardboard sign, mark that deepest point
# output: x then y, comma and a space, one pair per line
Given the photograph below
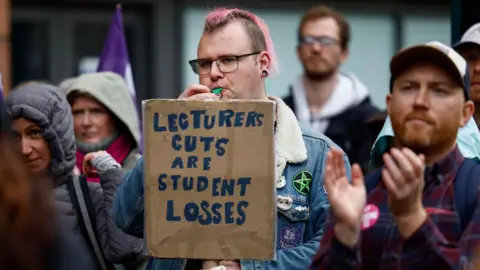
209, 179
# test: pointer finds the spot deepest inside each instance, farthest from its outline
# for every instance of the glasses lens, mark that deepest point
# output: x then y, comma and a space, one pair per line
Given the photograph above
324, 41
227, 63
194, 65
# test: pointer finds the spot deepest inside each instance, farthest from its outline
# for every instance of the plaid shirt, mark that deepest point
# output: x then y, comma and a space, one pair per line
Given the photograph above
438, 244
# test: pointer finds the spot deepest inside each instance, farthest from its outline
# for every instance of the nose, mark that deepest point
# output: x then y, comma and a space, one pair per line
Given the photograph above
215, 72
87, 119
421, 99
316, 47
26, 147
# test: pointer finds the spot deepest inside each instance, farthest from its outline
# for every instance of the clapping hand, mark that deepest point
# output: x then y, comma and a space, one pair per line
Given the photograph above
347, 200
403, 176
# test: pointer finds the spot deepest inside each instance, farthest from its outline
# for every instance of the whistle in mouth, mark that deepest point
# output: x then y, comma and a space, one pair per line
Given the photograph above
217, 90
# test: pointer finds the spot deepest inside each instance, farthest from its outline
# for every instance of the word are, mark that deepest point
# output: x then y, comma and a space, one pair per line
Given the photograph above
206, 213
199, 119
218, 186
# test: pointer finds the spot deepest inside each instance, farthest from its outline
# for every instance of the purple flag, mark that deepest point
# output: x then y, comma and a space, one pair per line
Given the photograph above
115, 57
1, 88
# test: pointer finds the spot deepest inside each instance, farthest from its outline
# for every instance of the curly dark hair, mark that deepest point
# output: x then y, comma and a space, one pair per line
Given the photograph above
26, 213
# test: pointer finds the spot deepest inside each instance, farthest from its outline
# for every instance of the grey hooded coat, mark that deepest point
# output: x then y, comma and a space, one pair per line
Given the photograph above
46, 106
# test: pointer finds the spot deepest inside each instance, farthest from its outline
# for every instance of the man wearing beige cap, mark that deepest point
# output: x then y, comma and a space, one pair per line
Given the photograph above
469, 48
420, 209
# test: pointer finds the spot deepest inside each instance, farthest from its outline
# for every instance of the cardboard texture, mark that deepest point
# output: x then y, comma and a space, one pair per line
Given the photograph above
209, 179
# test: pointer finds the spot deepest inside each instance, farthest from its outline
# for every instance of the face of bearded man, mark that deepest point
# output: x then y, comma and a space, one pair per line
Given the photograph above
426, 108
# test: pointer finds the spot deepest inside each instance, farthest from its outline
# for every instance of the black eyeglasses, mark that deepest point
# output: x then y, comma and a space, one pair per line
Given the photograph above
323, 41
225, 64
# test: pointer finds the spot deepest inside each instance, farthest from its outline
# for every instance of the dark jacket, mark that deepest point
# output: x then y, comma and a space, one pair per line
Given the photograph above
46, 106
349, 130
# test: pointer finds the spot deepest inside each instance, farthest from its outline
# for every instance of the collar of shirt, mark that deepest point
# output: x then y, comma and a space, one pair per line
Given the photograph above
443, 168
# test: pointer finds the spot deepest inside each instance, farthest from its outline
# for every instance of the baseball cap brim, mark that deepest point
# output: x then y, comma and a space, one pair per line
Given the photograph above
460, 44
424, 54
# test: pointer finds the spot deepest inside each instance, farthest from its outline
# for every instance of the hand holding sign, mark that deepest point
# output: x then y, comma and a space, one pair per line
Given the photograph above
88, 168
347, 200
231, 265
96, 163
197, 92
404, 179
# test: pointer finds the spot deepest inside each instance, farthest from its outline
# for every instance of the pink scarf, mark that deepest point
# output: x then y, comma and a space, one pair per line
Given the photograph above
119, 150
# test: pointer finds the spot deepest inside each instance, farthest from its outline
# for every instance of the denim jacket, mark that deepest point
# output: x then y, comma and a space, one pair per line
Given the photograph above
300, 154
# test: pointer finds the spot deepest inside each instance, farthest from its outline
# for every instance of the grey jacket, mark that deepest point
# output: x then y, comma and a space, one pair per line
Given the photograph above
45, 105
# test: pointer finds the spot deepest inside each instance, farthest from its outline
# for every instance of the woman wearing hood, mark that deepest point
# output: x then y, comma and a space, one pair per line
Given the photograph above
42, 123
104, 118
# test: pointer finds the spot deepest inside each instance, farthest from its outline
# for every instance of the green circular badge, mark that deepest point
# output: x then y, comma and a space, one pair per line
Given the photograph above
302, 182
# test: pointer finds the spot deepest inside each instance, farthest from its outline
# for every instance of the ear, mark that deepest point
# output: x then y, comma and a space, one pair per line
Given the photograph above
467, 113
264, 60
344, 55
388, 100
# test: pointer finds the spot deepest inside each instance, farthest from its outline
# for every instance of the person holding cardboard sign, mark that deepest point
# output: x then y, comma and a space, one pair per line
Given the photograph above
236, 54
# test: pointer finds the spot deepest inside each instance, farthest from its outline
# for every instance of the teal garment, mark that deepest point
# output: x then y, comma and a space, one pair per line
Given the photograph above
468, 141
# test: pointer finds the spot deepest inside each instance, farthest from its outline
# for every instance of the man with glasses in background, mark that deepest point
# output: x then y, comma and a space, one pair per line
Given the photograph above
236, 54
334, 103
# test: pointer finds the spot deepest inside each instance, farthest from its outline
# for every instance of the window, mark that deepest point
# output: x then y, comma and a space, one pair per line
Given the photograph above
30, 51
424, 28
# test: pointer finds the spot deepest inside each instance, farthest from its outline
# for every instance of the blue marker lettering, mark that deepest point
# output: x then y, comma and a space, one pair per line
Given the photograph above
192, 162
176, 139
207, 219
172, 122
191, 211
220, 146
175, 181
187, 183
228, 187
183, 121
251, 119
170, 212
196, 118
156, 123
225, 118
177, 163
243, 182
162, 186
229, 213
207, 143
209, 124
240, 210
239, 119
202, 183
217, 217
206, 163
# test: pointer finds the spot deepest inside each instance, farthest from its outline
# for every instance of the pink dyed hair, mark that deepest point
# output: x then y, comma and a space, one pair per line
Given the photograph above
221, 16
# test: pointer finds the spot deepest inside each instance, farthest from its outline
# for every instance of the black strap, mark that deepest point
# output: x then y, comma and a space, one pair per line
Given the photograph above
85, 192
466, 188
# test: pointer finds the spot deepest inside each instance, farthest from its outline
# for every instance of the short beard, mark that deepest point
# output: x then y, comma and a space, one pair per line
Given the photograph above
319, 76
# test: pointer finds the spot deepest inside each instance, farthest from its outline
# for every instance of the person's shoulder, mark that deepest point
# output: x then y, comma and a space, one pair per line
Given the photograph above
131, 160
317, 138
